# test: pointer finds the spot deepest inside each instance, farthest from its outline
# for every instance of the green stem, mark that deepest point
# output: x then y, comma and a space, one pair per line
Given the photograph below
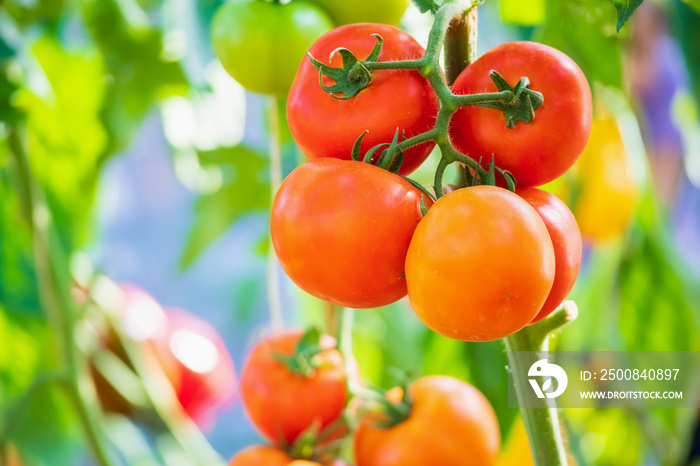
345, 346
439, 174
55, 300
417, 65
542, 423
273, 279
331, 316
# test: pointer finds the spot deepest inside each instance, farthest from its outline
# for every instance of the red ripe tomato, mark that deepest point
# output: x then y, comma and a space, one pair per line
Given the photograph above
451, 423
535, 152
566, 239
259, 455
281, 403
480, 264
341, 230
204, 374
188, 350
324, 126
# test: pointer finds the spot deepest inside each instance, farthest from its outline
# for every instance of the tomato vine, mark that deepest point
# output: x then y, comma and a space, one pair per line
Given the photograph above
518, 102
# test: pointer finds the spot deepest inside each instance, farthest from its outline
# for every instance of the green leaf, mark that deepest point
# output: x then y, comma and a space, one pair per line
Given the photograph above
523, 12
65, 136
585, 31
247, 190
140, 73
694, 4
625, 8
425, 6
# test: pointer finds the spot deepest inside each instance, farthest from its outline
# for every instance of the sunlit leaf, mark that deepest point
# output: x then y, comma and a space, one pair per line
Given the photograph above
585, 30
245, 190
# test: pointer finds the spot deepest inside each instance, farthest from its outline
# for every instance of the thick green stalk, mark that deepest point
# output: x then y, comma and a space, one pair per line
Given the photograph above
542, 423
460, 44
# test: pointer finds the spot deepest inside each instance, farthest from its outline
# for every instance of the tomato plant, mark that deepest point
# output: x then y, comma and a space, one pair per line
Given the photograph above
450, 423
364, 11
566, 239
538, 152
324, 126
284, 399
341, 230
480, 264
261, 43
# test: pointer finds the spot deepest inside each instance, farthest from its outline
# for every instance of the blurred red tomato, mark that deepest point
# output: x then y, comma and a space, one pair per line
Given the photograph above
188, 349
204, 376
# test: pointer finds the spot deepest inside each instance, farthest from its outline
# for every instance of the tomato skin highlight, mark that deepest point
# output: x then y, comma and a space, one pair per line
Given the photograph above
451, 424
535, 152
204, 373
324, 126
341, 230
566, 240
260, 44
480, 264
283, 404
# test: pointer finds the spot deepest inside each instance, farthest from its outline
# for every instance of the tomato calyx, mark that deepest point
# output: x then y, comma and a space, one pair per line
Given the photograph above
316, 444
390, 159
388, 408
354, 74
476, 179
521, 107
303, 361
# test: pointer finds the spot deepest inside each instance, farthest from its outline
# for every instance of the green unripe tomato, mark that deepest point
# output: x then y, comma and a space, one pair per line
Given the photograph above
364, 11
260, 43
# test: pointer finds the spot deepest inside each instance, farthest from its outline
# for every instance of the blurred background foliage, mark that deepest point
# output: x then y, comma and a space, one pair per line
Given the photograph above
152, 166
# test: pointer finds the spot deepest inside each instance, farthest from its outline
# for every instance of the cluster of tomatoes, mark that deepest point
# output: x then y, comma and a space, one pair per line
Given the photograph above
479, 262
483, 262
294, 388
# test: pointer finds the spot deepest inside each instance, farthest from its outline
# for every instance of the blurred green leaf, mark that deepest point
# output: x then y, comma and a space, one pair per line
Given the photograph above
48, 431
685, 28
656, 311
139, 72
523, 12
625, 8
34, 12
64, 134
246, 189
694, 4
585, 30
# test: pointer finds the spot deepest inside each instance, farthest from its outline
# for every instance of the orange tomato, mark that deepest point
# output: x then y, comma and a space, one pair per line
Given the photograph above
480, 264
258, 455
451, 423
